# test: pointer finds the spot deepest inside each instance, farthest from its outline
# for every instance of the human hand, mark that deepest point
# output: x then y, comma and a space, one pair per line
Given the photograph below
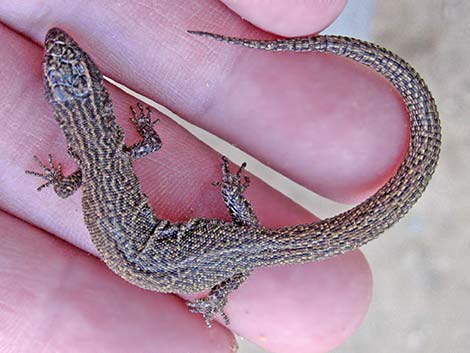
313, 108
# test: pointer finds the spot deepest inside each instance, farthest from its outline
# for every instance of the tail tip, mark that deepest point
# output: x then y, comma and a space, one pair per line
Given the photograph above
197, 33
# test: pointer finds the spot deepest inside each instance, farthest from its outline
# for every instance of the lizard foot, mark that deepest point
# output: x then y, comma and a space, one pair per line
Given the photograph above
144, 125
233, 186
235, 181
143, 117
51, 173
215, 301
209, 306
64, 186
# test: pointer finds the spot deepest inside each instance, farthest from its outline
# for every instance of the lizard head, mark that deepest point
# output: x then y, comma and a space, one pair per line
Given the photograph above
69, 73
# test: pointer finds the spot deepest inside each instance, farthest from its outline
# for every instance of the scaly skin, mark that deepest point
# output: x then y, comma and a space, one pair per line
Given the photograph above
200, 254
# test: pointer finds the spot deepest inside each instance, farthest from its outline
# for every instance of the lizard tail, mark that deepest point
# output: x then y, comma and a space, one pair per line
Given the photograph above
357, 226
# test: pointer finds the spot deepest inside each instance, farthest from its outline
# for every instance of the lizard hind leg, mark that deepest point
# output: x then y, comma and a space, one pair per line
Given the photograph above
144, 125
232, 188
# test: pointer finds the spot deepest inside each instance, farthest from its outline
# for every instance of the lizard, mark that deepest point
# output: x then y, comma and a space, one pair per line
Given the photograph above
210, 254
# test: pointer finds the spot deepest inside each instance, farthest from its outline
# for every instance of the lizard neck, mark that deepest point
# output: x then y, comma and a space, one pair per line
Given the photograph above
90, 128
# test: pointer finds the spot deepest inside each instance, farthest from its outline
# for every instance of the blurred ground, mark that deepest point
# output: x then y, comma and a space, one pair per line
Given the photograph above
421, 267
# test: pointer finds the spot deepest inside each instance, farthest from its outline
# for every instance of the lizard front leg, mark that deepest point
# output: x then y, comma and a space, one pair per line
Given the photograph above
64, 186
232, 188
143, 123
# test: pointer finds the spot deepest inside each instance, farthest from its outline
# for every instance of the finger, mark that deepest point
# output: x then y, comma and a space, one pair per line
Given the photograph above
178, 180
328, 123
55, 298
277, 304
288, 18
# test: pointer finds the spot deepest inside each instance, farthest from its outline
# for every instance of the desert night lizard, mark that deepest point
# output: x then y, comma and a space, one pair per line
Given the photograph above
202, 254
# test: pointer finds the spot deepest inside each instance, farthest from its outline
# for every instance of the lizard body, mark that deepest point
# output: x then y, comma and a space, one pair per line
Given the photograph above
202, 254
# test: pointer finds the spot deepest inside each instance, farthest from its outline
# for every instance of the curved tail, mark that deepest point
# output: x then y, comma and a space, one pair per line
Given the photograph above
353, 228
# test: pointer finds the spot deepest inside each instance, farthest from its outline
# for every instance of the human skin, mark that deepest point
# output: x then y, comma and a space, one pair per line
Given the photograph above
343, 132
288, 18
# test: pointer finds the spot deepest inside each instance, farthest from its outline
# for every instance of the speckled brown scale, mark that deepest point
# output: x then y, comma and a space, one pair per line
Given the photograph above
200, 254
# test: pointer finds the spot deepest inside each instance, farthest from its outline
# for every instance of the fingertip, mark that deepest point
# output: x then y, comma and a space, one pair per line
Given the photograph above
320, 304
288, 19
